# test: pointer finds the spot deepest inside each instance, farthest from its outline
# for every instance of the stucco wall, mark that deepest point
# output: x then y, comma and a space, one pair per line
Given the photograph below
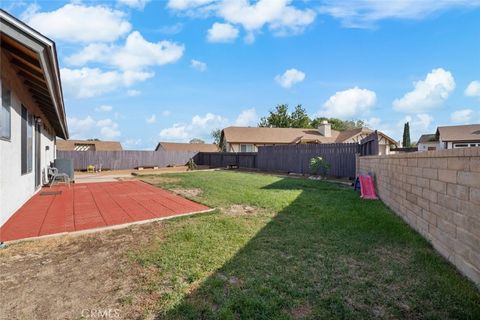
15, 188
438, 194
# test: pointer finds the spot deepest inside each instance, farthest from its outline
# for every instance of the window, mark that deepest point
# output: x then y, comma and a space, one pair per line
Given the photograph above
246, 148
26, 141
466, 145
5, 113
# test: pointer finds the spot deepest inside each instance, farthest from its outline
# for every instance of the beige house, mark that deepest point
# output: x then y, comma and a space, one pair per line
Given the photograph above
200, 147
88, 145
248, 139
451, 137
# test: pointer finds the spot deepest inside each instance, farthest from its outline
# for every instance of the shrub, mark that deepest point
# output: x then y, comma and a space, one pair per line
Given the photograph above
318, 165
191, 164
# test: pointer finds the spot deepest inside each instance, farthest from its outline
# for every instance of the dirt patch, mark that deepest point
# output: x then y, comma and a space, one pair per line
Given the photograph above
240, 209
301, 312
187, 192
159, 179
72, 276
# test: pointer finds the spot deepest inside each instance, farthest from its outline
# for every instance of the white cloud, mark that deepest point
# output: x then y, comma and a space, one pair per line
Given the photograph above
131, 143
428, 94
108, 128
187, 4
462, 116
364, 13
176, 132
110, 132
88, 127
373, 122
280, 16
79, 23
247, 118
104, 108
349, 103
473, 89
77, 126
198, 65
222, 32
200, 126
133, 93
136, 54
166, 113
137, 4
419, 124
151, 119
90, 82
290, 78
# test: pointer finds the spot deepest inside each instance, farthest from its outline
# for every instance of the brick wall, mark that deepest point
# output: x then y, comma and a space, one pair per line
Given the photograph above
438, 194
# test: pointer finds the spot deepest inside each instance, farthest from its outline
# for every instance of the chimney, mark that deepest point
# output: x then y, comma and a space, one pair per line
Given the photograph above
325, 128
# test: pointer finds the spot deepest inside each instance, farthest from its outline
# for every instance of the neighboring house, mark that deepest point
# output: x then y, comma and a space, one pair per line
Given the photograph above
32, 112
200, 147
450, 137
248, 139
428, 142
88, 145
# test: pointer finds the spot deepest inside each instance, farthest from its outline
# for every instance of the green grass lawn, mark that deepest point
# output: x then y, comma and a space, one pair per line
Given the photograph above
311, 250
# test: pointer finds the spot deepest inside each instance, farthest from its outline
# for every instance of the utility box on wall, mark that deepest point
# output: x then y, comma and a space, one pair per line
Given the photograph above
65, 166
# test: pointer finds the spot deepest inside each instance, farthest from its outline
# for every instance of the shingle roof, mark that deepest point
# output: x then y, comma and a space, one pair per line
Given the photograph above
172, 146
426, 138
460, 133
265, 135
69, 145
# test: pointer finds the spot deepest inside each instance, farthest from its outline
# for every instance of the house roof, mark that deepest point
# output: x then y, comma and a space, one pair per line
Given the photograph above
469, 132
427, 138
34, 58
265, 135
69, 145
202, 147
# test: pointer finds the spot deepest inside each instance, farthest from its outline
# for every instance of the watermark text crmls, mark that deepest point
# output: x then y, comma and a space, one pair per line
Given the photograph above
100, 313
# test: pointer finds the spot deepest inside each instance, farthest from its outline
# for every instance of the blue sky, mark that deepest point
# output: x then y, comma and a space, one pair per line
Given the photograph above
144, 71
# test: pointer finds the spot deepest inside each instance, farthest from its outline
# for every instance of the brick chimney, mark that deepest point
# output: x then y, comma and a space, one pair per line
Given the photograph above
325, 128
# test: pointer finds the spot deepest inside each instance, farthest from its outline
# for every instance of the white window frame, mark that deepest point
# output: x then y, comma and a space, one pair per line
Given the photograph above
247, 146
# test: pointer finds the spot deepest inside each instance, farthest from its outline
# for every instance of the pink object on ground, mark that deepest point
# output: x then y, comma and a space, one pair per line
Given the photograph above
86, 206
367, 189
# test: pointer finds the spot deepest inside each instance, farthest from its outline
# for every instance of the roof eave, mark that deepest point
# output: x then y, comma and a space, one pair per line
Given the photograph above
45, 48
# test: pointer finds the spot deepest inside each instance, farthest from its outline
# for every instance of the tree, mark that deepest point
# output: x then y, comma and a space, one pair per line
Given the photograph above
406, 136
279, 118
196, 140
338, 124
217, 135
299, 118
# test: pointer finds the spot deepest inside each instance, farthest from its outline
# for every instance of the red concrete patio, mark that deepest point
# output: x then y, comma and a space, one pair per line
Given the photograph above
86, 206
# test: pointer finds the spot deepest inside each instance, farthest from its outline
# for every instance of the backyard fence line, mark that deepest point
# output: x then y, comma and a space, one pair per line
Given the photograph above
296, 158
281, 158
288, 158
227, 159
126, 159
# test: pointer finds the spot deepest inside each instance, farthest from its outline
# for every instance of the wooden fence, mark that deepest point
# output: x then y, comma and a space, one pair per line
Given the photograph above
227, 159
288, 158
127, 159
282, 158
296, 158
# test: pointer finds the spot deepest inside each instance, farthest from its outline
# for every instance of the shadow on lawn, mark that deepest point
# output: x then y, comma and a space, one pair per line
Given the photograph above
330, 254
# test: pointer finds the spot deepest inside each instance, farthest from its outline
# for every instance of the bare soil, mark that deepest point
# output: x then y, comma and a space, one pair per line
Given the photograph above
240, 209
75, 277
187, 192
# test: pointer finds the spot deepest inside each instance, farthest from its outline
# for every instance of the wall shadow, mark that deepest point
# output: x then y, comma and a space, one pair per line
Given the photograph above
327, 255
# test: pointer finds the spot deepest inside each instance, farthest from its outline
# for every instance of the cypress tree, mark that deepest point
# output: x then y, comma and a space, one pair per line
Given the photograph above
406, 136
